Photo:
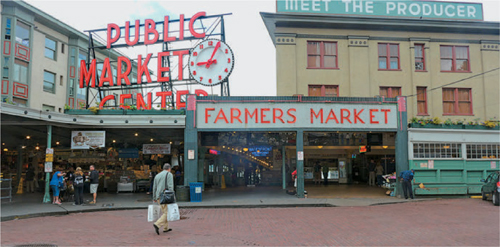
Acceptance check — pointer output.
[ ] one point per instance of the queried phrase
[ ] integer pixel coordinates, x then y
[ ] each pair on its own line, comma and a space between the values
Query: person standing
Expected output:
164, 178
294, 177
30, 180
78, 186
371, 170
55, 183
317, 173
178, 176
94, 183
406, 178
325, 174
379, 171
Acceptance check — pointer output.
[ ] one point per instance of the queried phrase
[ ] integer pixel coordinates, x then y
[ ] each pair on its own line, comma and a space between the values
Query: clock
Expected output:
211, 62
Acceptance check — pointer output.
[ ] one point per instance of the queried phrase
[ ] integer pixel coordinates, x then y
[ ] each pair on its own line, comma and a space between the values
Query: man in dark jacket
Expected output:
94, 182
30, 180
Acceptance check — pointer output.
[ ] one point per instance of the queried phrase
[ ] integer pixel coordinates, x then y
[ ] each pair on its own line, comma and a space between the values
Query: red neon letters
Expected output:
150, 28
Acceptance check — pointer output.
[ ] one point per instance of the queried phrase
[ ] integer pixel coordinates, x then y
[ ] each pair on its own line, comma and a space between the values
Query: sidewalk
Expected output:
30, 205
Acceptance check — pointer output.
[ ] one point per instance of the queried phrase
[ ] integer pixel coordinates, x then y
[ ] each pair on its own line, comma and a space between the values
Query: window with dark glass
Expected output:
421, 101
457, 101
49, 82
388, 56
419, 57
390, 92
322, 55
454, 58
324, 90
50, 48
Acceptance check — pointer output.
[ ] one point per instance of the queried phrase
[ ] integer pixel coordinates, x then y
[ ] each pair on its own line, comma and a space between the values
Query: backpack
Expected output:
78, 180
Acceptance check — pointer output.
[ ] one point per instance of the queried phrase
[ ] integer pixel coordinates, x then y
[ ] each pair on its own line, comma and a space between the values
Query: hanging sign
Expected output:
386, 8
49, 155
132, 153
48, 166
300, 155
156, 148
87, 139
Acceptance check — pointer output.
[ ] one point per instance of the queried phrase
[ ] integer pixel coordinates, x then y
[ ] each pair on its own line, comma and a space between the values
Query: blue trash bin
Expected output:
195, 191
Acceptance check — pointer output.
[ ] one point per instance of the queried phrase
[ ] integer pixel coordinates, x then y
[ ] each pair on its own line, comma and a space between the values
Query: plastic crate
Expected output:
195, 191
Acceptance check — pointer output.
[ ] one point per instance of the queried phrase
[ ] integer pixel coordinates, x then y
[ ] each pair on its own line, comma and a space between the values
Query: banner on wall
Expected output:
156, 148
88, 139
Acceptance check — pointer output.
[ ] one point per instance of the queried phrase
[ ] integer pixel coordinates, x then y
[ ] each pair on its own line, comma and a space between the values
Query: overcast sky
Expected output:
255, 69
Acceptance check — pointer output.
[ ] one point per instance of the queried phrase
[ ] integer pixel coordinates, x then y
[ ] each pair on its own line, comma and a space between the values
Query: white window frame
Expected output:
487, 149
437, 148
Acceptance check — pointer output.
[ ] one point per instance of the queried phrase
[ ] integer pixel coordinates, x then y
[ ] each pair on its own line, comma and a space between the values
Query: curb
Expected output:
312, 205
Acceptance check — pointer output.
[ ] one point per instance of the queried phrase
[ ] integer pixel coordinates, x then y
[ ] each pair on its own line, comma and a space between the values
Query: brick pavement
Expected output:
457, 222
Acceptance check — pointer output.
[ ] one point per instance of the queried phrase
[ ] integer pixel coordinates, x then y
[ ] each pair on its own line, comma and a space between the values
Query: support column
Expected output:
46, 197
401, 143
190, 143
300, 164
283, 166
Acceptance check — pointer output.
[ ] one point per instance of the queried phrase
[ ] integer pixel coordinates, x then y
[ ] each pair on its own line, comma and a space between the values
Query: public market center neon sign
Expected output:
151, 36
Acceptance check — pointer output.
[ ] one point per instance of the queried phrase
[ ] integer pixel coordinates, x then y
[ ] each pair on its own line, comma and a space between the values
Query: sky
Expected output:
255, 59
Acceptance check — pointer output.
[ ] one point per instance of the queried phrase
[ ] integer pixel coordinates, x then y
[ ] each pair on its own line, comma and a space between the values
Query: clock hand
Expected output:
213, 54
201, 63
210, 63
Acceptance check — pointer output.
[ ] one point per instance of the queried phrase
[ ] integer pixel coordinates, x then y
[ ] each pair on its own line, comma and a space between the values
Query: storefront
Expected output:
251, 139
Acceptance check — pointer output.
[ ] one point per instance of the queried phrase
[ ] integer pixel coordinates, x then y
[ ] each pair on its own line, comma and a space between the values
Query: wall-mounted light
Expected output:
28, 137
57, 143
37, 148
136, 134
151, 140
170, 142
114, 141
3, 143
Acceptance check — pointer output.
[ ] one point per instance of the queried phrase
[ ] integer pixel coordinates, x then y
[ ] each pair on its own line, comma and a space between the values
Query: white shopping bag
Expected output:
154, 212
173, 213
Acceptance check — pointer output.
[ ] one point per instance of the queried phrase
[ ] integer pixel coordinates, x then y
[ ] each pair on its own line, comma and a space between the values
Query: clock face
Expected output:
211, 62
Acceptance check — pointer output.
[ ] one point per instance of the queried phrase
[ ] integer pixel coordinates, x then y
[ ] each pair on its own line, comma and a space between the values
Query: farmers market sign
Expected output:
385, 8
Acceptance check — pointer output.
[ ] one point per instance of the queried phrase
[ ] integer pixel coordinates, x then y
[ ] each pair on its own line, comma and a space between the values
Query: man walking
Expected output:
406, 178
158, 188
371, 170
94, 183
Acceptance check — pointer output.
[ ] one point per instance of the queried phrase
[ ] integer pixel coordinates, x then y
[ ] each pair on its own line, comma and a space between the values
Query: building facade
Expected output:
446, 69
41, 60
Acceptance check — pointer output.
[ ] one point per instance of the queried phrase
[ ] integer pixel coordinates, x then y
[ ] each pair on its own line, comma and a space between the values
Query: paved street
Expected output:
462, 222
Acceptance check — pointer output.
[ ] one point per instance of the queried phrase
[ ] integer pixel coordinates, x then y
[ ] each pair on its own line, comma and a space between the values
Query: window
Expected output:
8, 29
457, 101
20, 71
437, 150
421, 100
50, 48
419, 57
62, 48
71, 87
322, 55
20, 101
48, 108
324, 90
390, 92
49, 82
61, 80
81, 92
455, 58
483, 151
22, 33
388, 56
